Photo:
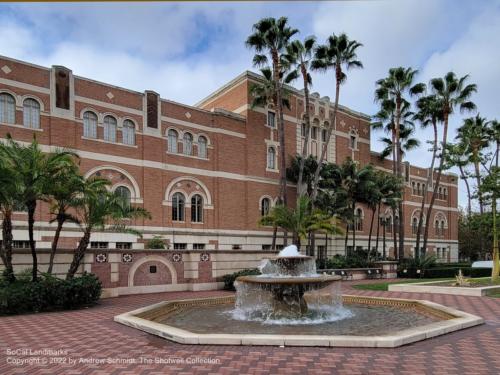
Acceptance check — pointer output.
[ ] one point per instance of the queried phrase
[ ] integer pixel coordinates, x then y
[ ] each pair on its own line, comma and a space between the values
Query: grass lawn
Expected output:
384, 286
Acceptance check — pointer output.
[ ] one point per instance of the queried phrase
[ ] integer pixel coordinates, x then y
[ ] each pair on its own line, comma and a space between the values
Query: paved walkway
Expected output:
90, 335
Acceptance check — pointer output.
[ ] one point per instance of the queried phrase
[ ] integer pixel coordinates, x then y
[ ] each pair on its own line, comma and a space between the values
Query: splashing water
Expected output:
290, 251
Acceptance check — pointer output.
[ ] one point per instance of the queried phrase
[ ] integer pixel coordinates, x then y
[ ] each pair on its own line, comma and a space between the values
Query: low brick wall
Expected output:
149, 271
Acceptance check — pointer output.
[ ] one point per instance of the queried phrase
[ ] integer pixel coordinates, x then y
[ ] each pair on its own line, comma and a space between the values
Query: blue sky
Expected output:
186, 50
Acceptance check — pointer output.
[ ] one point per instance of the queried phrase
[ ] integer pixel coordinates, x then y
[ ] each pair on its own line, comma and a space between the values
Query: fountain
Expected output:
291, 304
278, 294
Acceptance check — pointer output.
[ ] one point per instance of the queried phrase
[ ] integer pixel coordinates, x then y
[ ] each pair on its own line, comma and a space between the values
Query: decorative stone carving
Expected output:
127, 258
204, 257
6, 69
177, 257
101, 258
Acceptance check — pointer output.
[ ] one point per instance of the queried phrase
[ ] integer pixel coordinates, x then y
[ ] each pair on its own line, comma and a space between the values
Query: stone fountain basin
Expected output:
146, 319
321, 280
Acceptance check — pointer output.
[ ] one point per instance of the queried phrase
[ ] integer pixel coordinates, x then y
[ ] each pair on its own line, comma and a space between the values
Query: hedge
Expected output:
229, 279
48, 294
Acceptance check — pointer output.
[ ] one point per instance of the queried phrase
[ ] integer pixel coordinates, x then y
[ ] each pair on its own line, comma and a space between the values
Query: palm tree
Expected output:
97, 209
300, 220
36, 171
407, 142
263, 94
339, 55
299, 56
475, 133
270, 39
456, 157
429, 114
64, 195
451, 92
9, 187
390, 93
390, 189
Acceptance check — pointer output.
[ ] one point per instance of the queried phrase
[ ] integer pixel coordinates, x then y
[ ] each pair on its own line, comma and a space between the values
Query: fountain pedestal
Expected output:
287, 280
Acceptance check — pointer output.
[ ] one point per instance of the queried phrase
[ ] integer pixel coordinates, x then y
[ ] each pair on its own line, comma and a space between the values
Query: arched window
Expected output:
314, 132
188, 144
436, 227
418, 188
7, 108
271, 158
197, 209
265, 206
388, 224
303, 130
124, 193
31, 113
90, 125
178, 202
414, 225
110, 129
359, 219
128, 132
202, 147
172, 141
323, 135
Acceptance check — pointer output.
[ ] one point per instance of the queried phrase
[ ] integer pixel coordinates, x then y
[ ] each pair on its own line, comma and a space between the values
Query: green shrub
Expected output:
48, 294
356, 260
155, 243
229, 279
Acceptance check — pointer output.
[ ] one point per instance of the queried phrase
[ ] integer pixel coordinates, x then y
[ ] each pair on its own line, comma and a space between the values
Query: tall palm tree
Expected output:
391, 93
269, 40
475, 133
36, 171
262, 95
456, 157
301, 220
64, 195
429, 114
391, 190
339, 55
98, 209
452, 93
299, 56
9, 187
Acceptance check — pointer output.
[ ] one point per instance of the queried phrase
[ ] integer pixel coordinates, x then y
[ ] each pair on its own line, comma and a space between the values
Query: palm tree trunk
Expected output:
346, 238
353, 231
370, 235
478, 181
428, 183
394, 233
79, 253
306, 139
329, 132
469, 196
496, 265
55, 241
438, 180
384, 254
378, 229
6, 247
31, 223
399, 174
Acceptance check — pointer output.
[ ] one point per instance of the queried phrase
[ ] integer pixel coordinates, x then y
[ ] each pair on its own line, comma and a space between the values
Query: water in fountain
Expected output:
289, 292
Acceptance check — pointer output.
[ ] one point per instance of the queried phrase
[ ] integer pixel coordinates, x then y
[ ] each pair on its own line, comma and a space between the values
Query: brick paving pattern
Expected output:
91, 333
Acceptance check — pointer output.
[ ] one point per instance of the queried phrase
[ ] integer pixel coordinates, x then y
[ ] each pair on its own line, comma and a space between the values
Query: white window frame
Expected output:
7, 108
173, 139
90, 125
128, 132
31, 113
110, 126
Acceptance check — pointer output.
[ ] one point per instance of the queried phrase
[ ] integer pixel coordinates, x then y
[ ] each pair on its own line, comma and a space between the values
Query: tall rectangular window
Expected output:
271, 119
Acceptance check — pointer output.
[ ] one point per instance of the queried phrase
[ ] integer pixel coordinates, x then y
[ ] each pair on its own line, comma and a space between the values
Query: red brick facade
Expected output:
220, 156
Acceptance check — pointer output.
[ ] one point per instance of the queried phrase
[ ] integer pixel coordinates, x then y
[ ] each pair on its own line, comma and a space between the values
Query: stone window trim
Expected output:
135, 189
203, 191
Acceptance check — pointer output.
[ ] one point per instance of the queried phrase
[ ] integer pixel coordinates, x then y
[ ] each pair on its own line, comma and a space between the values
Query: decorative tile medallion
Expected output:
110, 95
101, 258
204, 257
177, 257
127, 258
6, 69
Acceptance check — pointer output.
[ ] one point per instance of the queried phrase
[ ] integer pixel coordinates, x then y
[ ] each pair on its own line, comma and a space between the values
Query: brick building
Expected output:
206, 172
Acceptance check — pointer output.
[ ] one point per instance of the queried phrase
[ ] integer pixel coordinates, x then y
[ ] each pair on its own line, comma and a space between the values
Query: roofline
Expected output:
252, 75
